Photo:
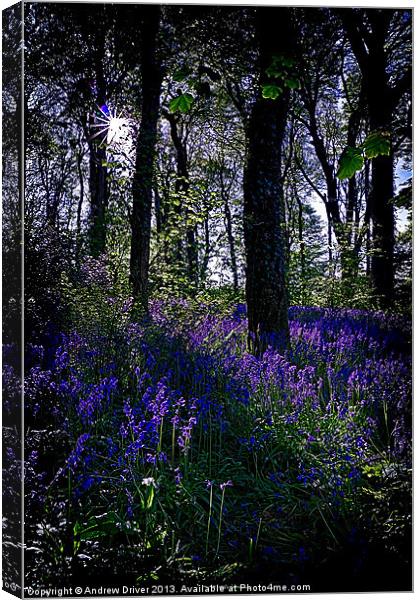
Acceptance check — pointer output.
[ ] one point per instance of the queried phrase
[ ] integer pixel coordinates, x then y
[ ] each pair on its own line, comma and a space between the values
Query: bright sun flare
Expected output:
114, 129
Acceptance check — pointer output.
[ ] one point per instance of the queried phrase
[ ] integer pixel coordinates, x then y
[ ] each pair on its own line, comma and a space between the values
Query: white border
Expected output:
301, 3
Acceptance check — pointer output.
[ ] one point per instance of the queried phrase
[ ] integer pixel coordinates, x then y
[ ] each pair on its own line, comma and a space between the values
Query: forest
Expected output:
217, 272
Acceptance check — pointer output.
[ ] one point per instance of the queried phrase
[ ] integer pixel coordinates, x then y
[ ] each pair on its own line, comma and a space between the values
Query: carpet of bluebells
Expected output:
161, 450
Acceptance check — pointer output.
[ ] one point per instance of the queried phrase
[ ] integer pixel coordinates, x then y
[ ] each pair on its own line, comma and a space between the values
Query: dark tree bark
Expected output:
367, 31
341, 229
97, 159
367, 218
330, 249
79, 204
330, 199
158, 210
151, 73
182, 187
350, 240
264, 214
382, 182
343, 226
382, 217
228, 221
231, 244
302, 249
207, 250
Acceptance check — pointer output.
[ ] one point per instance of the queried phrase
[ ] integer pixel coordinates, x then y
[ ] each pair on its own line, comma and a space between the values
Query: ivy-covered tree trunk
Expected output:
151, 73
264, 212
182, 188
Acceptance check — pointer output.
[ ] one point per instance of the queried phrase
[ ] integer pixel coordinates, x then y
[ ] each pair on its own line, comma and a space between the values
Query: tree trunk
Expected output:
349, 248
79, 205
369, 48
264, 213
207, 250
382, 187
151, 73
158, 210
182, 187
98, 170
228, 221
367, 218
331, 200
382, 216
302, 250
231, 244
330, 249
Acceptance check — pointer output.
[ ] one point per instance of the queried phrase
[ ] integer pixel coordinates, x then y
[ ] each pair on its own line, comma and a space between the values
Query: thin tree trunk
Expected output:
207, 250
182, 187
79, 205
331, 199
98, 169
330, 247
151, 73
158, 210
230, 237
349, 255
367, 219
301, 249
231, 244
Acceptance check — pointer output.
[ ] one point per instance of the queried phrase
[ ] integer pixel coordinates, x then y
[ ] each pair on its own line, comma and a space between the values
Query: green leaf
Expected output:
350, 162
273, 71
293, 84
377, 143
279, 66
77, 528
271, 92
150, 498
182, 103
181, 74
288, 61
